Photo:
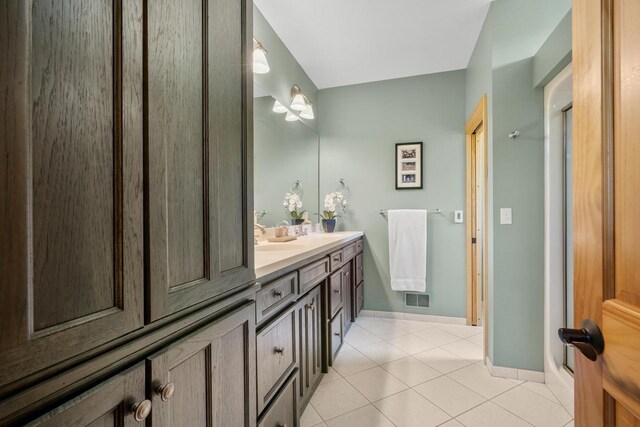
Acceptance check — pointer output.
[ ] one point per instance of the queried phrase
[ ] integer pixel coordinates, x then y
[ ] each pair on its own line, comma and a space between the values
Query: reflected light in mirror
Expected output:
260, 64
307, 113
298, 103
279, 108
290, 117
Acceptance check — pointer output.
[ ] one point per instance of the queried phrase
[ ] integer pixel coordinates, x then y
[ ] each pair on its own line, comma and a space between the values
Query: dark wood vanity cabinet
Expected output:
347, 292
311, 341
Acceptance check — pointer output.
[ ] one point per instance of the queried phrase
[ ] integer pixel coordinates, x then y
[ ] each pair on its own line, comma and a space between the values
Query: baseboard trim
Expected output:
514, 373
412, 316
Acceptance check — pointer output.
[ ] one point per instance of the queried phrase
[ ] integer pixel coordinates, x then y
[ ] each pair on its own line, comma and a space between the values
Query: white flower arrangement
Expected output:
331, 202
292, 203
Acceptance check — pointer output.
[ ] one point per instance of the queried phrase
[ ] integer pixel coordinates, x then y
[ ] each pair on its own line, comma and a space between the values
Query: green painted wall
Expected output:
554, 55
359, 127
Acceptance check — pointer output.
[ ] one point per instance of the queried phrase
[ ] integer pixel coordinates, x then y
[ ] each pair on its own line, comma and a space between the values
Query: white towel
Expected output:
408, 250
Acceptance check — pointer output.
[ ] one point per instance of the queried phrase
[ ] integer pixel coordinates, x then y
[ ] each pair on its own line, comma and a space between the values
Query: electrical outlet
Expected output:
458, 217
506, 217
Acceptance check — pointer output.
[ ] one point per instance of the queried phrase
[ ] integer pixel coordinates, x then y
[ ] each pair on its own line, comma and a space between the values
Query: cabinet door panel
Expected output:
108, 404
197, 152
347, 295
213, 372
311, 340
71, 161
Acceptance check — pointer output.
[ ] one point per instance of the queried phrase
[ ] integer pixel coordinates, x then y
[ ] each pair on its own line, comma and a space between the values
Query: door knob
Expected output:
588, 339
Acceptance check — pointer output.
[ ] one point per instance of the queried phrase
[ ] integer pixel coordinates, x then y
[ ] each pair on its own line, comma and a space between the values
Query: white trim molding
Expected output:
514, 373
412, 316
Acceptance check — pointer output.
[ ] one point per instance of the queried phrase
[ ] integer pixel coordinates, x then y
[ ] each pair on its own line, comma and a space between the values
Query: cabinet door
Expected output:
335, 292
311, 338
359, 274
208, 379
347, 290
71, 182
199, 142
116, 402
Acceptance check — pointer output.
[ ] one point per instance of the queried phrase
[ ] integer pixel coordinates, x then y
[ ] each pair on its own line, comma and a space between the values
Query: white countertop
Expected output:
271, 257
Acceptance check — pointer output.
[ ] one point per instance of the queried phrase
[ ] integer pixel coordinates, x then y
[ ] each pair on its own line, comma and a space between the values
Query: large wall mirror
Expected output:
285, 153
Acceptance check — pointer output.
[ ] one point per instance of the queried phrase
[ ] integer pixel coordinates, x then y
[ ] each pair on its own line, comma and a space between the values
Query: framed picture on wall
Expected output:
409, 166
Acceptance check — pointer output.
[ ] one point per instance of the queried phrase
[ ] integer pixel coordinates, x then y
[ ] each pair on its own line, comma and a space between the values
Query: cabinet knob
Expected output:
282, 424
276, 293
141, 410
311, 306
337, 291
336, 334
279, 350
166, 391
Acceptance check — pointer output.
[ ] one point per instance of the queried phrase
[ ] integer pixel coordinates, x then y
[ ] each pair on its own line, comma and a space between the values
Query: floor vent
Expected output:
416, 300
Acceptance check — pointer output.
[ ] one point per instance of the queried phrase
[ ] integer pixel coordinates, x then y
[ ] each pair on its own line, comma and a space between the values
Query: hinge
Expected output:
473, 240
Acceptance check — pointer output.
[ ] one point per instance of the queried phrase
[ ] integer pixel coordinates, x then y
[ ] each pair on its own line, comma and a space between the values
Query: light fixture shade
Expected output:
298, 103
260, 64
290, 117
307, 113
279, 108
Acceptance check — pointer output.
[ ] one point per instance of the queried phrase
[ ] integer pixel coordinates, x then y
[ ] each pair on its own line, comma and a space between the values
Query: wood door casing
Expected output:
70, 166
606, 105
214, 373
108, 404
198, 151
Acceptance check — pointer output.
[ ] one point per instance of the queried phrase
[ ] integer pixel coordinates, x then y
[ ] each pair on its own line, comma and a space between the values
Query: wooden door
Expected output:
311, 344
119, 401
347, 294
208, 379
198, 151
71, 182
606, 56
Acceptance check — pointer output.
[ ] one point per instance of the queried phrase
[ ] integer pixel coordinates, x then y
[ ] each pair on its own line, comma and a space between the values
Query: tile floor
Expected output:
401, 373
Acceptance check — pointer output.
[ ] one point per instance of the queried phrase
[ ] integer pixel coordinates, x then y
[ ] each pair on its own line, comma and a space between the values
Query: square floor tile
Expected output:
336, 398
462, 331
442, 360
450, 396
387, 330
533, 408
411, 344
382, 352
376, 383
351, 361
452, 423
359, 337
542, 390
412, 325
332, 375
409, 409
410, 371
477, 378
437, 336
465, 349
369, 322
491, 415
570, 424
367, 416
310, 417
476, 339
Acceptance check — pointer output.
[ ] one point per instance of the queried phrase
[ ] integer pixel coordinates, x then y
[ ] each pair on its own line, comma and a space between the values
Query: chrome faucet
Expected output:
262, 230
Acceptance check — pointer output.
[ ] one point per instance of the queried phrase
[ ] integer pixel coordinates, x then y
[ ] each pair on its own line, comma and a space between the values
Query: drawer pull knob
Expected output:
279, 350
337, 334
311, 306
277, 294
141, 410
166, 391
337, 291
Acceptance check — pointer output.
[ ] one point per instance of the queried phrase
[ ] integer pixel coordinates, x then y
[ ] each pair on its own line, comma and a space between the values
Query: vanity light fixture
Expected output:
279, 108
260, 64
307, 113
290, 117
300, 102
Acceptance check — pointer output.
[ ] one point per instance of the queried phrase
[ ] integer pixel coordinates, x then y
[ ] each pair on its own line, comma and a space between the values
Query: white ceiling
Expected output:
344, 42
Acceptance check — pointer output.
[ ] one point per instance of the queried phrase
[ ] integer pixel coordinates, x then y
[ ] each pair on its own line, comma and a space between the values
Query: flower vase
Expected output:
297, 221
329, 225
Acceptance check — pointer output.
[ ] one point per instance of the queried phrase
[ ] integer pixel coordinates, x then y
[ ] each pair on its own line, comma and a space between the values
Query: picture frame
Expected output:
409, 166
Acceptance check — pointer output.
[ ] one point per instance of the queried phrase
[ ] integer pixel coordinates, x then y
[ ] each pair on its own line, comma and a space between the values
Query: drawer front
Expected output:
335, 293
335, 329
284, 409
349, 252
335, 260
359, 298
313, 274
276, 357
276, 295
359, 269
359, 246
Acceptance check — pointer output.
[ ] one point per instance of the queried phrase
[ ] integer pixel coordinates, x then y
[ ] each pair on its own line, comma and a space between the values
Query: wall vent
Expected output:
415, 300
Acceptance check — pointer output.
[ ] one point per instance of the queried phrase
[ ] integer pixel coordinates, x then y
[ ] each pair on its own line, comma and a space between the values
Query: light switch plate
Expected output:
458, 217
506, 216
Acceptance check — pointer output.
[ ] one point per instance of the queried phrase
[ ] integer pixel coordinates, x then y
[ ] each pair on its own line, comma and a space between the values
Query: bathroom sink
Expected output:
280, 247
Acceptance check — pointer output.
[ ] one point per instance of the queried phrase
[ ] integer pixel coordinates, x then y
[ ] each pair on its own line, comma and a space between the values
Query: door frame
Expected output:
478, 118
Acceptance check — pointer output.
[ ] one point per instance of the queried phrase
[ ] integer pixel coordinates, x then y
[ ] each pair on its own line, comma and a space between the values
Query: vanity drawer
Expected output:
335, 260
313, 274
359, 246
276, 357
359, 298
284, 409
335, 293
275, 295
335, 336
359, 269
349, 252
